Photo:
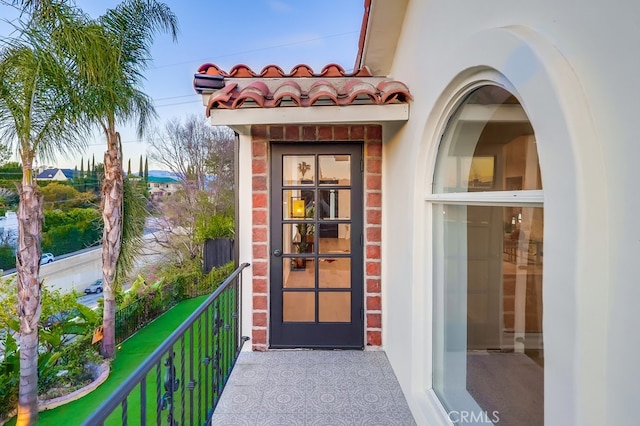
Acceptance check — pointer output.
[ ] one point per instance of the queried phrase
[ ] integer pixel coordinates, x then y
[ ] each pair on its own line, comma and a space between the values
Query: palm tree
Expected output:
130, 29
40, 116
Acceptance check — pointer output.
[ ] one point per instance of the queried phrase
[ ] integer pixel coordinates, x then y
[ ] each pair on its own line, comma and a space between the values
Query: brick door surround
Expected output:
371, 136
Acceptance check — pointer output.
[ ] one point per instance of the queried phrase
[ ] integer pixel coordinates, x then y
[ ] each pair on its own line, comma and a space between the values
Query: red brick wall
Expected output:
372, 137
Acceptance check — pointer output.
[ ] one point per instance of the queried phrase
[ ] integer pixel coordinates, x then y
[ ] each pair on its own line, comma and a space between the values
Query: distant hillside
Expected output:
163, 173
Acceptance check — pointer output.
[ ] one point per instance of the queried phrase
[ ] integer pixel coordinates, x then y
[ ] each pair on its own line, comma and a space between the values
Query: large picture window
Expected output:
488, 261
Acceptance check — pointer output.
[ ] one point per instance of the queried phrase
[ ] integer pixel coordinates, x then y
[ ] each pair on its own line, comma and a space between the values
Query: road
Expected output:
90, 300
77, 270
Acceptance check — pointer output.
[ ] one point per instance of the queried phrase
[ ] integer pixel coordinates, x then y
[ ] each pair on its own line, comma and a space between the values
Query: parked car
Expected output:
61, 317
94, 288
47, 258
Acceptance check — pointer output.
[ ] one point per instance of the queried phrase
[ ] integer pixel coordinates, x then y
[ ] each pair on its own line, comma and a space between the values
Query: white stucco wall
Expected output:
245, 229
573, 66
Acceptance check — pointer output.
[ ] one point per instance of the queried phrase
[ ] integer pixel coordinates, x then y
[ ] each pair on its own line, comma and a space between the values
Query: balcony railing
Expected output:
181, 381
135, 316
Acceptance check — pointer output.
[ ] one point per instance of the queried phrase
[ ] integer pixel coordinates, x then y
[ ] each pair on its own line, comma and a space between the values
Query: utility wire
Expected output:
233, 54
259, 49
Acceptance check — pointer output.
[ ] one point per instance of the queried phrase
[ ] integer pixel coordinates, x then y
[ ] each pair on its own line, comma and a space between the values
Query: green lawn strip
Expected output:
130, 355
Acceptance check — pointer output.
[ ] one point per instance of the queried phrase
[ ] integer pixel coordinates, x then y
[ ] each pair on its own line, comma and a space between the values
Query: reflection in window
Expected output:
298, 169
488, 336
335, 204
335, 169
297, 204
490, 146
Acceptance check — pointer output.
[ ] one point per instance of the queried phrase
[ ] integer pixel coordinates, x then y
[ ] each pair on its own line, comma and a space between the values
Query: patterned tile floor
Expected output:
319, 388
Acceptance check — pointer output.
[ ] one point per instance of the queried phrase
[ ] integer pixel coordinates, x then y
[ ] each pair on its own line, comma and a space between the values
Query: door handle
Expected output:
277, 252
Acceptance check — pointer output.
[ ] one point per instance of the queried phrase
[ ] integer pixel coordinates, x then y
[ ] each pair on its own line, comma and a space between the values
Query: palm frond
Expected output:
39, 107
133, 220
131, 28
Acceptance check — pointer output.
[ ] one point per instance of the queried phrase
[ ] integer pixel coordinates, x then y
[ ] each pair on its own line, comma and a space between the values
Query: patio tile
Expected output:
329, 419
285, 419
233, 419
283, 399
286, 374
363, 373
239, 399
392, 417
269, 358
326, 374
316, 388
248, 375
398, 396
371, 398
327, 399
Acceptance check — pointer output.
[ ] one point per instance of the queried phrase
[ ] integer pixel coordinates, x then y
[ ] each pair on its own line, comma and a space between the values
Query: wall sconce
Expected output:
297, 208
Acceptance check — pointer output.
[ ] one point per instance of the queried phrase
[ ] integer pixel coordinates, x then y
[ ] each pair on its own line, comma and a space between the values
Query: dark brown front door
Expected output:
316, 280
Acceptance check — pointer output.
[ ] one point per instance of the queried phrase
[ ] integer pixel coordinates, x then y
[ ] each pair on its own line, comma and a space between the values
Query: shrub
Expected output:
59, 195
8, 393
72, 230
212, 227
7, 257
65, 331
144, 302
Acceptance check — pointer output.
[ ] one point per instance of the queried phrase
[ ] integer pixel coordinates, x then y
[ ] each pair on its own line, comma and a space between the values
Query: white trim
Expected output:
502, 113
245, 243
503, 198
327, 114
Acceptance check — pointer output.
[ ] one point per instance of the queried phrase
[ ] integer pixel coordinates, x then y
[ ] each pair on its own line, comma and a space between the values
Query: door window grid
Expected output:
326, 240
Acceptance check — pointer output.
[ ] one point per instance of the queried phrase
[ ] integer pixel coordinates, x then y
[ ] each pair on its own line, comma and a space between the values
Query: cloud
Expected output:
279, 6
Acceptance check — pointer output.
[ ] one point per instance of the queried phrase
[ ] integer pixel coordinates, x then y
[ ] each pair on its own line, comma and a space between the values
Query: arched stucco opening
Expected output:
537, 74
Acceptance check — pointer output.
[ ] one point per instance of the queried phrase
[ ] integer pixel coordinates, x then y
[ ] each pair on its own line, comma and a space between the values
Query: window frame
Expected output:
519, 198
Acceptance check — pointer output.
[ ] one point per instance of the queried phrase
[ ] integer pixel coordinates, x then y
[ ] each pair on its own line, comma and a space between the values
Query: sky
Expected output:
251, 32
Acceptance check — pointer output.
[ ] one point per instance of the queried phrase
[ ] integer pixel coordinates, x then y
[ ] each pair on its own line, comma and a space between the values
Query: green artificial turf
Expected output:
130, 355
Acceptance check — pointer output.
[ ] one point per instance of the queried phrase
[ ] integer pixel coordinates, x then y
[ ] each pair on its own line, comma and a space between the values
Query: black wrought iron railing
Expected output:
147, 307
181, 381
135, 316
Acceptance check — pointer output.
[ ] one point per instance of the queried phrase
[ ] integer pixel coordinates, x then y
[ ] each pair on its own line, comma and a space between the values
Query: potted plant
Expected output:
303, 240
303, 168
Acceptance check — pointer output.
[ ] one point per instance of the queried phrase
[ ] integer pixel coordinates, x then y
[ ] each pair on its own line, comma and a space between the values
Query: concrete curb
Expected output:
49, 404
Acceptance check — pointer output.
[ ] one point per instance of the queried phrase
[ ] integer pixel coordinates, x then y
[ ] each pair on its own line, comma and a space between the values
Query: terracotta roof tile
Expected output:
289, 89
271, 71
322, 89
355, 88
332, 70
257, 91
241, 87
391, 91
274, 71
302, 70
210, 69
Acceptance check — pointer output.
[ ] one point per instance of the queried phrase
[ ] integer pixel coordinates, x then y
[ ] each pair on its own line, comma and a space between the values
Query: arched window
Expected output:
488, 259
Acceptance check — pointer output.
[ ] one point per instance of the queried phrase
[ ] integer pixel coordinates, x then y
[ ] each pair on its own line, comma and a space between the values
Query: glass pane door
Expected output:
316, 262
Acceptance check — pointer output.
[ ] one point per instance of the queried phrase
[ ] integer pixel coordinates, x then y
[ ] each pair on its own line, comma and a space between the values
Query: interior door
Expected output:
316, 271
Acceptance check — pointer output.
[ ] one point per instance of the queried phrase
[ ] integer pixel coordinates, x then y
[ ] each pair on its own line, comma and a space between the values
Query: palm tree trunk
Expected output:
30, 218
112, 195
